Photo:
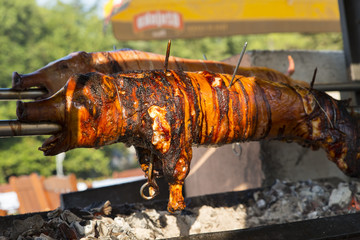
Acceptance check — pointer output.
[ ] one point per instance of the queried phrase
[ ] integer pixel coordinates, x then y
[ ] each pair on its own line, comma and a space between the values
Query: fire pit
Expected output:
301, 210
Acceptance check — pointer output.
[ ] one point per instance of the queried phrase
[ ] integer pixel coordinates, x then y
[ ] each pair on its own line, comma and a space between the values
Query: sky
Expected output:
89, 3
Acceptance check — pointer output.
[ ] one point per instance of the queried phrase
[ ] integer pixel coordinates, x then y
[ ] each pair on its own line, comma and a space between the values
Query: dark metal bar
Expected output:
334, 228
12, 94
11, 128
349, 86
350, 28
349, 19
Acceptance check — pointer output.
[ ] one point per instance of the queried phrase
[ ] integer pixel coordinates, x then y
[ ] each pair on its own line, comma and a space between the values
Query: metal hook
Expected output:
234, 149
167, 55
151, 183
238, 63
152, 191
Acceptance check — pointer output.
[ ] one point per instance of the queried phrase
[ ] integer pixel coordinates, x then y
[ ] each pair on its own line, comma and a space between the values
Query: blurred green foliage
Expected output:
32, 36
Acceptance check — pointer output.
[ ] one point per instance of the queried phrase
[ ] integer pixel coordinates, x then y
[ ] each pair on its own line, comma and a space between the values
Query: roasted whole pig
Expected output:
163, 114
53, 76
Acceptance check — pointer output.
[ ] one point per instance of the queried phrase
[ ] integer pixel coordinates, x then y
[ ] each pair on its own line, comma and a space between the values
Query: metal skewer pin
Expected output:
238, 63
313, 79
167, 56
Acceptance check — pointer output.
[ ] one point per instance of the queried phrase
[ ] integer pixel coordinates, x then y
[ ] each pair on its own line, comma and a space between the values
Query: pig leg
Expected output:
176, 181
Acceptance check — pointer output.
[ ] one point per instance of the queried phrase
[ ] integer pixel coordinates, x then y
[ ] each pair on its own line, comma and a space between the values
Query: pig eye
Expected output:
63, 66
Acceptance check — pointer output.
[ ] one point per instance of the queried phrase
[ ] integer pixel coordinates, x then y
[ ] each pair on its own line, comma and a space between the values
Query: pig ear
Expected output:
80, 53
86, 56
83, 53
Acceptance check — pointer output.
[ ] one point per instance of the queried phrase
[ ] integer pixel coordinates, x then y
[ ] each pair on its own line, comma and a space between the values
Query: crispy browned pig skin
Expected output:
165, 114
53, 76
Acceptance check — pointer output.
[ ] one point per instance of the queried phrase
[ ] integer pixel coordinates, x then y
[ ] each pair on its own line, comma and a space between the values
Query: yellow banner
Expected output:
156, 19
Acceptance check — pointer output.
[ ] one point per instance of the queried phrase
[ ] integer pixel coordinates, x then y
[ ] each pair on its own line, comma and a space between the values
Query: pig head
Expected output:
54, 75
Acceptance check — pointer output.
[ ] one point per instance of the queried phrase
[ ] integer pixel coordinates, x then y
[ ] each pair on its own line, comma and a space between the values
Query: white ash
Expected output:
340, 196
152, 224
288, 202
283, 202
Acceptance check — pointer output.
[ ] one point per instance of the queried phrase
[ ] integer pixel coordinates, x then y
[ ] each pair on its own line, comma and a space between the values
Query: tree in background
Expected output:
32, 36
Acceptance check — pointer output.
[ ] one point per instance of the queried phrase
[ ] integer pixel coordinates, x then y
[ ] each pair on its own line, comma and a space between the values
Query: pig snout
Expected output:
45, 110
25, 81
16, 81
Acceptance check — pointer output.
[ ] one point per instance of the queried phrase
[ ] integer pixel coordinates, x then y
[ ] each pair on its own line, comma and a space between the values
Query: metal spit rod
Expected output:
11, 128
12, 94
